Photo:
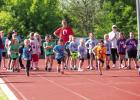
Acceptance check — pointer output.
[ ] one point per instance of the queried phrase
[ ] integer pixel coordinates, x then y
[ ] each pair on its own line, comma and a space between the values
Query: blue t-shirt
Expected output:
81, 51
108, 46
90, 44
131, 44
121, 45
59, 51
26, 53
73, 46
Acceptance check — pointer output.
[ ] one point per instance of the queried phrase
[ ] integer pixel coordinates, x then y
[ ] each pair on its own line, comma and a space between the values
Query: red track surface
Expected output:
88, 85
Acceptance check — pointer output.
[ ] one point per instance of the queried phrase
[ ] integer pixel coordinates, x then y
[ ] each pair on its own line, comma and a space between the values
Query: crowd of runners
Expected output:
67, 50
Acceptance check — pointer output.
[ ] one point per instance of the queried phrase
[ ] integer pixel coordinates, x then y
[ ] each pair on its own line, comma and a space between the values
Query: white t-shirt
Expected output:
35, 45
7, 44
113, 39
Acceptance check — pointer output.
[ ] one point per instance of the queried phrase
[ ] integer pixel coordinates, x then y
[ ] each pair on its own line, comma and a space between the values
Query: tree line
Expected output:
44, 16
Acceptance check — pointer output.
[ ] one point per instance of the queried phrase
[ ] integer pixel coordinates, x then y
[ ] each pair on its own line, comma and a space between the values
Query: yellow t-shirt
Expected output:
100, 52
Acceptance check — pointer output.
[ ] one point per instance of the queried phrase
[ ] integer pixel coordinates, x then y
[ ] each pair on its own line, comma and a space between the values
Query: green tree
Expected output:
82, 13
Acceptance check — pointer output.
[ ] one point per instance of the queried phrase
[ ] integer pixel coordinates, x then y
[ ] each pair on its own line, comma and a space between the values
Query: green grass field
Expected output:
3, 95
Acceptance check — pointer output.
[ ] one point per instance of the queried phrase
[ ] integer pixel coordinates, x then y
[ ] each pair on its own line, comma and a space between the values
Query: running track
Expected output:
88, 85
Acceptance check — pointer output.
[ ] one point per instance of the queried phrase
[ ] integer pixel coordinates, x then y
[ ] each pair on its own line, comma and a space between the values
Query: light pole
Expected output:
138, 23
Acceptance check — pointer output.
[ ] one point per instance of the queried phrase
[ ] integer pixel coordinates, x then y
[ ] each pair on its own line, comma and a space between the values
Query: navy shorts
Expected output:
59, 61
132, 53
81, 58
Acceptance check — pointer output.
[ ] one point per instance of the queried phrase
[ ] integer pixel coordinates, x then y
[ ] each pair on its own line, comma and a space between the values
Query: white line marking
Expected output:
67, 89
123, 90
22, 96
7, 91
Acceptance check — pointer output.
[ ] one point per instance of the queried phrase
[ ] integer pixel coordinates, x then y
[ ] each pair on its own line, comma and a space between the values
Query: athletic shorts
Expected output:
3, 54
81, 58
122, 53
107, 54
59, 61
92, 55
68, 52
14, 58
35, 58
102, 61
49, 56
88, 55
74, 55
132, 53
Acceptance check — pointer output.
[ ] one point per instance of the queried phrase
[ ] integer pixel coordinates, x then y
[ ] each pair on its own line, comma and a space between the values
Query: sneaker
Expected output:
66, 67
72, 68
35, 68
113, 66
139, 71
88, 67
107, 67
46, 68
128, 67
4, 68
17, 69
31, 68
75, 68
92, 68
122, 66
49, 69
22, 66
62, 72
80, 70
9, 70
13, 69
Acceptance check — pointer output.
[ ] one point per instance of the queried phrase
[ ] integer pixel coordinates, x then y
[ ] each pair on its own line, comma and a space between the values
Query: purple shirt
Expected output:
73, 46
131, 44
81, 51
121, 45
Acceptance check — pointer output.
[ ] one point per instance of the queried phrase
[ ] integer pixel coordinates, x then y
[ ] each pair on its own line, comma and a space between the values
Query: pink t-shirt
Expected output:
35, 46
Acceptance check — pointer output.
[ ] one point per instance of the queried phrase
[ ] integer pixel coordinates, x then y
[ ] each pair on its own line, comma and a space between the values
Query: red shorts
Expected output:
35, 57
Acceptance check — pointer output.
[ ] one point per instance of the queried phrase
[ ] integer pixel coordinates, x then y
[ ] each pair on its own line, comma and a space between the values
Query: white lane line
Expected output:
123, 90
22, 96
7, 91
66, 89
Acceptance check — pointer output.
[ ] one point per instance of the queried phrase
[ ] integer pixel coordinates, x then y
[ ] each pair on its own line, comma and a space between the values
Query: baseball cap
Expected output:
114, 26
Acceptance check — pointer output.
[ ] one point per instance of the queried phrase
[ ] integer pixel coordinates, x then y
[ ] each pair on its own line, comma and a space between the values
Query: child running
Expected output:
14, 46
35, 57
68, 51
59, 55
27, 55
48, 49
74, 54
100, 51
81, 54
121, 49
90, 44
107, 44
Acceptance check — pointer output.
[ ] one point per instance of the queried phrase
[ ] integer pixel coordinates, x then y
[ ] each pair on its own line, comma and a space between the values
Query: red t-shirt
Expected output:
64, 33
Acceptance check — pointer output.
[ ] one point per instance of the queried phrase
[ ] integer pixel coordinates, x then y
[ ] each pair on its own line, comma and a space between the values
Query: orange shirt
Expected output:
100, 52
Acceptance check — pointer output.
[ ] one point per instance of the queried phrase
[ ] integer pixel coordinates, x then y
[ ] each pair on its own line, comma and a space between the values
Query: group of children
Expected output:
66, 54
